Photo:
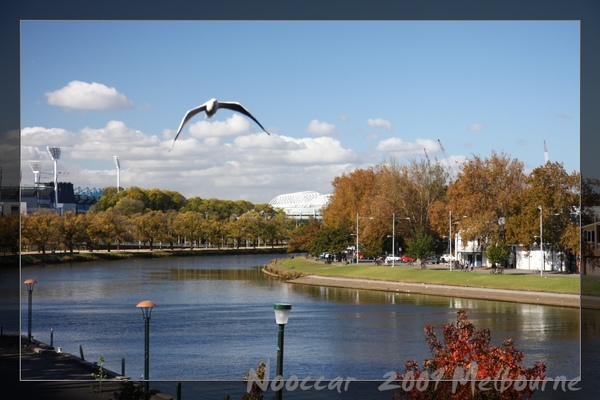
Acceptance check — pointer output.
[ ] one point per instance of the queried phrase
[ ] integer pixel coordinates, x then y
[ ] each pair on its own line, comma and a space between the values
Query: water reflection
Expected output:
214, 320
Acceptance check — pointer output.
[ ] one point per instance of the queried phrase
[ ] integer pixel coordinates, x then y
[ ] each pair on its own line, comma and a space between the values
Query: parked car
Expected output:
447, 258
432, 260
392, 257
406, 258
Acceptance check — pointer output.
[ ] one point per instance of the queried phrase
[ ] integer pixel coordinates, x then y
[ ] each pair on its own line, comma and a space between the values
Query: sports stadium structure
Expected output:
301, 205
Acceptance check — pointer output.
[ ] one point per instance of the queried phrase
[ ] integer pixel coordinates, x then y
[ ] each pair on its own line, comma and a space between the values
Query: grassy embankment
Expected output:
553, 283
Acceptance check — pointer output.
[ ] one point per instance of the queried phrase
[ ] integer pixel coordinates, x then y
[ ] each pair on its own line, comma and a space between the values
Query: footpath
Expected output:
36, 372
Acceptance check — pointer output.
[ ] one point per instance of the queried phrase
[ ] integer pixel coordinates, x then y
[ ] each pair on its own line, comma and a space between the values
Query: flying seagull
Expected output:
211, 107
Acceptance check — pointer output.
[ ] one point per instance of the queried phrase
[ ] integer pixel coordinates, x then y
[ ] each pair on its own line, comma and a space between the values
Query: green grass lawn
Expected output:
547, 283
590, 286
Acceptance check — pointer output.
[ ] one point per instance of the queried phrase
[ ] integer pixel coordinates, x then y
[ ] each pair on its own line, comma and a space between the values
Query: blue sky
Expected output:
335, 96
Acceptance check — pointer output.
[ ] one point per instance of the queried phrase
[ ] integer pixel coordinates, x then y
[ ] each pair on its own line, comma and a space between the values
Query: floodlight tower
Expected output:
55, 155
36, 167
118, 165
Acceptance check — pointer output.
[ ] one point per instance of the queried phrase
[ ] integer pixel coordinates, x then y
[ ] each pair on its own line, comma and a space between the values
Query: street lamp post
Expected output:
29, 283
357, 252
542, 261
393, 240
357, 256
450, 242
394, 237
146, 306
452, 257
282, 314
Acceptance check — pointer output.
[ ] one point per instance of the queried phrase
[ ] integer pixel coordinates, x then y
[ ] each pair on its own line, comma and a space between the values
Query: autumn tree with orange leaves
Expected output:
376, 195
555, 193
486, 190
465, 365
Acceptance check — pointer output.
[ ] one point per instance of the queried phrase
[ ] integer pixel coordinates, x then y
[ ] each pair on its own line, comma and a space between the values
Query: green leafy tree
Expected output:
41, 229
216, 232
250, 225
276, 228
150, 226
191, 225
109, 227
128, 206
302, 236
164, 200
421, 245
332, 240
497, 253
9, 233
72, 229
169, 234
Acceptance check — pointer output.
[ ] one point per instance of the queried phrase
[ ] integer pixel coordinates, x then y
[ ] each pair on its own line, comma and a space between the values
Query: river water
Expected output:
214, 321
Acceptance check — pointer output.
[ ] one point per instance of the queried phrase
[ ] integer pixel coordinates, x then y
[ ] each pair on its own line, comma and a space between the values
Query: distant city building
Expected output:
30, 198
301, 205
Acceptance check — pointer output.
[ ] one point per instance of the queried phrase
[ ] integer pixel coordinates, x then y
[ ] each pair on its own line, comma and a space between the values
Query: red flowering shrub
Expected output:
466, 366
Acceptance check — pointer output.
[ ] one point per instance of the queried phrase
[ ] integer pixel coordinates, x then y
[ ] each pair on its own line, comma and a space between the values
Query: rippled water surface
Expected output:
214, 320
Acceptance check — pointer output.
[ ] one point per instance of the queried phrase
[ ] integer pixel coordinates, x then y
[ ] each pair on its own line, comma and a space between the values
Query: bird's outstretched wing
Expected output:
241, 109
189, 115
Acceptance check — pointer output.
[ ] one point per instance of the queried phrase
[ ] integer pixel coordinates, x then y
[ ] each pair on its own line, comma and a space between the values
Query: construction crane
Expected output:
451, 171
444, 153
427, 156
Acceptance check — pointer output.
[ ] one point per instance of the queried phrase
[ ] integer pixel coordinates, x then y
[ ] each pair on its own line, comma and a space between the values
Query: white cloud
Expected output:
255, 167
235, 125
380, 123
320, 128
397, 147
79, 95
48, 136
476, 127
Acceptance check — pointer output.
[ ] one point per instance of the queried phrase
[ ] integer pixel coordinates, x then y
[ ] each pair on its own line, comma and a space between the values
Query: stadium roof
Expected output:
300, 204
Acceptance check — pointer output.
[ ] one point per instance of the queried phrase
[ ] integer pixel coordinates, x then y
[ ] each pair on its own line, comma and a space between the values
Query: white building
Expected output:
473, 253
301, 205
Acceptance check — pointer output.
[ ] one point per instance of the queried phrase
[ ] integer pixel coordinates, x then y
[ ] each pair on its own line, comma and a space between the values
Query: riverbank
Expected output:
26, 259
39, 372
540, 298
521, 286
